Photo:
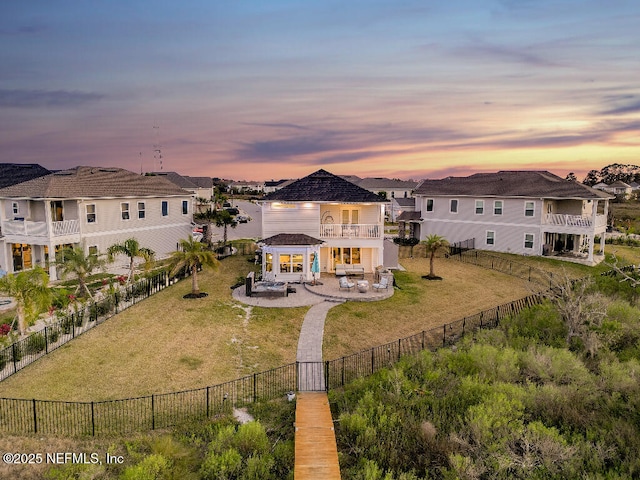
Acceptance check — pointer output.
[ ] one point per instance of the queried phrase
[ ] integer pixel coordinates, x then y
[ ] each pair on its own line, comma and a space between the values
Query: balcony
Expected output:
574, 221
39, 229
360, 230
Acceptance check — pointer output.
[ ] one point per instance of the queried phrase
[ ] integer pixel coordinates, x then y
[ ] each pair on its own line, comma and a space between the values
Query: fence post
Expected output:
326, 375
423, 333
93, 421
153, 413
46, 340
255, 388
297, 375
373, 359
529, 273
399, 347
35, 417
464, 321
13, 355
343, 371
444, 336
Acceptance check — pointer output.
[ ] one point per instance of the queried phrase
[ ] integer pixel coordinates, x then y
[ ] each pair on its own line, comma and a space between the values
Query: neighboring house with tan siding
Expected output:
91, 206
320, 214
521, 212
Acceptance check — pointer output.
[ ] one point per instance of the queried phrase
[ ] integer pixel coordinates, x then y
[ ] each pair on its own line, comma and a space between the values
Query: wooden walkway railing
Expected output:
316, 450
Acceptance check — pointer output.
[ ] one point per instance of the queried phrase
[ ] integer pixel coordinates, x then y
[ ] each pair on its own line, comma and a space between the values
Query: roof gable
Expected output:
532, 184
94, 182
322, 186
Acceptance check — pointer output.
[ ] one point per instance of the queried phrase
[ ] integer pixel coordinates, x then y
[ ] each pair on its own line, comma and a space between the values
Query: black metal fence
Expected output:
483, 259
86, 316
21, 416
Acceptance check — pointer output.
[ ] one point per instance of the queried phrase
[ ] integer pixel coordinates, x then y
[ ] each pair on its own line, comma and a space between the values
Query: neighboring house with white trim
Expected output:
521, 212
390, 188
320, 214
91, 206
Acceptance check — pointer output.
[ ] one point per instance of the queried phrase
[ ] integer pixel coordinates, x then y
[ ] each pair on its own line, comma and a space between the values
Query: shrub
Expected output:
3, 360
151, 467
35, 344
53, 333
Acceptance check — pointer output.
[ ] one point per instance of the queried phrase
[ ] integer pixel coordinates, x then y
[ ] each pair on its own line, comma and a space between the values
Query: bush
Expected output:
53, 333
3, 360
35, 344
406, 242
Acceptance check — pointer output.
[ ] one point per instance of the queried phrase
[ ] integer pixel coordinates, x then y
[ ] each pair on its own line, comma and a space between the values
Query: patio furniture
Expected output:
383, 285
363, 286
345, 283
345, 269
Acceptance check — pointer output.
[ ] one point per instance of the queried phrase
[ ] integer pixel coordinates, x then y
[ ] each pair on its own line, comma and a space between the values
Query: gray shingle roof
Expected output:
532, 184
291, 239
176, 178
322, 186
200, 182
386, 183
93, 182
408, 216
14, 173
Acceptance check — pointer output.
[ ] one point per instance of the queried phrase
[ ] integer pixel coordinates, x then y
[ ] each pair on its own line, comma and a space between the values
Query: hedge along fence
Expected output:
21, 416
27, 350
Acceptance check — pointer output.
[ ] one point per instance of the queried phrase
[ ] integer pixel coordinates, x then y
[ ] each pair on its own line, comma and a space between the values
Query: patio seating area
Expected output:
328, 285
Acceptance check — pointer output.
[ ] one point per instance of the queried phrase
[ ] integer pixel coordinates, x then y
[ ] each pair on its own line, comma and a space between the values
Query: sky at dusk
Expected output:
261, 90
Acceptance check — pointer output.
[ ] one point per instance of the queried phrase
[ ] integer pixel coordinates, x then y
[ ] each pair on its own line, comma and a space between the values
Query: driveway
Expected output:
251, 229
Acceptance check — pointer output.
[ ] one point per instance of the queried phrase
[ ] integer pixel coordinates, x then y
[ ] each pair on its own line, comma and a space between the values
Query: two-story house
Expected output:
521, 212
90, 206
325, 215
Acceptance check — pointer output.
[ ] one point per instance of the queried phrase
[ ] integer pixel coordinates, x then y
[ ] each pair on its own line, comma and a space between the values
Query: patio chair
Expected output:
383, 285
345, 283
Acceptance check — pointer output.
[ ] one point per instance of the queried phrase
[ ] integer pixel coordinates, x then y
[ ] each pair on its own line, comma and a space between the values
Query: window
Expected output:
91, 213
347, 255
497, 207
453, 206
15, 207
528, 240
124, 210
165, 208
429, 204
141, 210
479, 207
350, 217
529, 209
290, 263
93, 250
185, 207
268, 264
491, 237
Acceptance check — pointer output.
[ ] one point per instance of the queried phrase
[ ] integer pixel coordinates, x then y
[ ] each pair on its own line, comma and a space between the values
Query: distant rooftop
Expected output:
14, 173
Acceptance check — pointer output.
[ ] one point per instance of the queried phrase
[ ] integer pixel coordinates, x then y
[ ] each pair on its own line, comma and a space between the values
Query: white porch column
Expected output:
591, 240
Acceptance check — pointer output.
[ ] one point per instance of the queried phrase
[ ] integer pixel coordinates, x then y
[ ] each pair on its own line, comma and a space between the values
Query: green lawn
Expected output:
167, 343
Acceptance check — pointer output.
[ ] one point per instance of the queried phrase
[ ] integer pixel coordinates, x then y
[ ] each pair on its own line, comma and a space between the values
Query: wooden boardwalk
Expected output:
316, 450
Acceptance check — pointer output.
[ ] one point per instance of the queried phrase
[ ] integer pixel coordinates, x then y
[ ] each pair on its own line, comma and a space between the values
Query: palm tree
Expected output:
132, 249
433, 244
192, 254
32, 294
221, 218
73, 260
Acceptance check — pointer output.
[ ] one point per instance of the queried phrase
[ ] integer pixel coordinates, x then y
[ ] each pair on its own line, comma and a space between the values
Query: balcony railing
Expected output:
584, 221
39, 229
359, 230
